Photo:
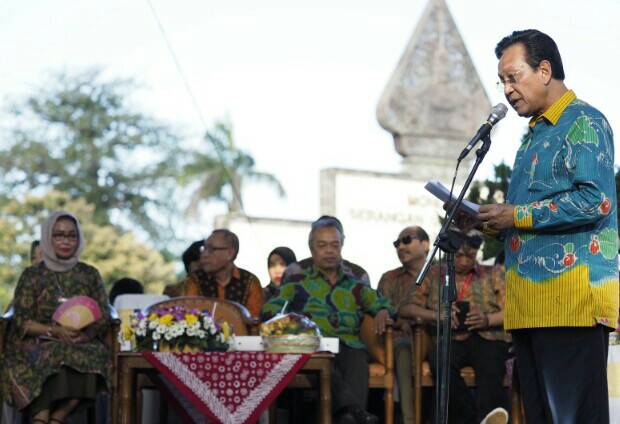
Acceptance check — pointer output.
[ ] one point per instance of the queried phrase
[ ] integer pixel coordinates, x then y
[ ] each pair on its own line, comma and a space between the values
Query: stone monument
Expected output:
434, 101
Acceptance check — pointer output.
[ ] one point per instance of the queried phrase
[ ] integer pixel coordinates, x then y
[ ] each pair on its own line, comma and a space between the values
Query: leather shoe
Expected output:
363, 417
346, 418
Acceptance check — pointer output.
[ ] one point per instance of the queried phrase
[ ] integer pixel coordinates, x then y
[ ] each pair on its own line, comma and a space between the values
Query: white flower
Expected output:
156, 336
161, 329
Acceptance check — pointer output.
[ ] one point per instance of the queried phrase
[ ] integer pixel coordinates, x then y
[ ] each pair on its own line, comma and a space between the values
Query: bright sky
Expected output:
299, 80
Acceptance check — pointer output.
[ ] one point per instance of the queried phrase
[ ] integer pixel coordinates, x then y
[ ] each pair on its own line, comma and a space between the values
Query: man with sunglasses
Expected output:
561, 232
218, 276
478, 339
398, 285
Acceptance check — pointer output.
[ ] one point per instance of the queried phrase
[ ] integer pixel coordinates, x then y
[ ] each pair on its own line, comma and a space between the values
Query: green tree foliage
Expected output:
116, 255
221, 170
491, 191
79, 135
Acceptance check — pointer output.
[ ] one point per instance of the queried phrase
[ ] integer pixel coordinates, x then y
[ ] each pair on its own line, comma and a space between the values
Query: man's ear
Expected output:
425, 246
545, 71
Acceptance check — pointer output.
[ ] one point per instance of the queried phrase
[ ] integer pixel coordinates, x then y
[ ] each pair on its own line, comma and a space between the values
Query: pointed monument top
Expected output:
434, 101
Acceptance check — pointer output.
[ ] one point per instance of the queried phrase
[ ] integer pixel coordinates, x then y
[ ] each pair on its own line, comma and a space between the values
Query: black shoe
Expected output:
363, 417
346, 418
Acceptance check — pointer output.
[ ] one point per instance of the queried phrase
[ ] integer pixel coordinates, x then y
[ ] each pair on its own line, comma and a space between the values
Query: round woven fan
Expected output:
77, 312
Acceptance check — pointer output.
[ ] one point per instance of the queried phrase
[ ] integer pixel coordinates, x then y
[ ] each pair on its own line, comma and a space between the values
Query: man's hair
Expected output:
472, 240
538, 47
230, 238
421, 234
33, 246
326, 221
125, 286
192, 254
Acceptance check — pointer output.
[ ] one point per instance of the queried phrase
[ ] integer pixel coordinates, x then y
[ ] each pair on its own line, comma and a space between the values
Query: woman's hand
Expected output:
82, 337
66, 334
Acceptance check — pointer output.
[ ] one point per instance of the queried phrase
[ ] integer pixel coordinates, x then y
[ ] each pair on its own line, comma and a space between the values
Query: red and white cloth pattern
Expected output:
228, 387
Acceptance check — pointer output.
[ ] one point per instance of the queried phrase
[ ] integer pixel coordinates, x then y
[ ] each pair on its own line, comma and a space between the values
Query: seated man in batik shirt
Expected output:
219, 277
336, 302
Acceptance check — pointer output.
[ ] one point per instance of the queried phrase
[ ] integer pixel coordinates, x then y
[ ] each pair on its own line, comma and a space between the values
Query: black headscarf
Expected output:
285, 253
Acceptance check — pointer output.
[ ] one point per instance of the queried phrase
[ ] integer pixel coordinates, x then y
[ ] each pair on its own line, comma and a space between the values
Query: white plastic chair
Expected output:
125, 305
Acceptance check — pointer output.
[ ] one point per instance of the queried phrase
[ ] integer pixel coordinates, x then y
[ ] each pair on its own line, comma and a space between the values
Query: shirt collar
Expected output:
235, 274
552, 115
403, 271
315, 272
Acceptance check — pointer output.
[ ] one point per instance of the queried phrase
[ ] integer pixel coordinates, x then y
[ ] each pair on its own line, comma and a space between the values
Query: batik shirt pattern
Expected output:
336, 309
562, 255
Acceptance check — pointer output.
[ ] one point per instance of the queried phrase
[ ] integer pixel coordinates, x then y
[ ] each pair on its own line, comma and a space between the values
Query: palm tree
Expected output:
223, 166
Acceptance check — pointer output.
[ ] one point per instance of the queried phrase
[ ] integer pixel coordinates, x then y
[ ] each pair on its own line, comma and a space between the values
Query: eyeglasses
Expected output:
211, 249
511, 79
404, 240
65, 236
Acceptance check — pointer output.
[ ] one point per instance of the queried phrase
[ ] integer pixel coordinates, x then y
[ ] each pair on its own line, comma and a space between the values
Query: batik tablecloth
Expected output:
226, 387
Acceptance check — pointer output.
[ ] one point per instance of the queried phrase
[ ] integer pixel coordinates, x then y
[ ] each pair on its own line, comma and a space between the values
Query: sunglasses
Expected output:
404, 240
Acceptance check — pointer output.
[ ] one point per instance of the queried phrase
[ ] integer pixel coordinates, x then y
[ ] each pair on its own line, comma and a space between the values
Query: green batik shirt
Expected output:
336, 309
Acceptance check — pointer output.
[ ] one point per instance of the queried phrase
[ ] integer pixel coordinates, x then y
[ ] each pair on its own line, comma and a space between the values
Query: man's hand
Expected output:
497, 216
453, 318
476, 321
464, 221
381, 319
402, 328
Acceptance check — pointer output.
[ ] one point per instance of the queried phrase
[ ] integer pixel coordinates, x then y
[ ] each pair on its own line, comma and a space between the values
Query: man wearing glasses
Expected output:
336, 301
561, 232
219, 277
478, 339
398, 285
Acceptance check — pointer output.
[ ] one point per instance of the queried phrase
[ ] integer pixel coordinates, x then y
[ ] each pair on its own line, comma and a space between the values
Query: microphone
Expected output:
497, 114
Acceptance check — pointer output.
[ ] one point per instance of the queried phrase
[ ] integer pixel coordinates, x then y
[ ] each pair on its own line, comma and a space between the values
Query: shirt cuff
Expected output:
522, 216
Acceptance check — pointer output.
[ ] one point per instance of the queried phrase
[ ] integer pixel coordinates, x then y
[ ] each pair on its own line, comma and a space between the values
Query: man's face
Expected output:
216, 254
465, 259
410, 249
526, 91
325, 248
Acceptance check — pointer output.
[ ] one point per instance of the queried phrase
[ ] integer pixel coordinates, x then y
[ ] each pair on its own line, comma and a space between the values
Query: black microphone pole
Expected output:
450, 246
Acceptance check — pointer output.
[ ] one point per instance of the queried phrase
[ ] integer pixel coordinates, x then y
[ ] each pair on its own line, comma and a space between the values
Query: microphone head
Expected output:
497, 113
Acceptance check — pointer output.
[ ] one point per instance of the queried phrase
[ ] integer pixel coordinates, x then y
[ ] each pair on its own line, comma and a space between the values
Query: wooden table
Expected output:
130, 364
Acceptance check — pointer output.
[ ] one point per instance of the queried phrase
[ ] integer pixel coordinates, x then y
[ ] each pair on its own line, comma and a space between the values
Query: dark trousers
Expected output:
350, 378
563, 374
488, 359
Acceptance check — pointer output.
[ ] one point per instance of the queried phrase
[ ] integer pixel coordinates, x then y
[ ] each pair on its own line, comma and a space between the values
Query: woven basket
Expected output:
291, 343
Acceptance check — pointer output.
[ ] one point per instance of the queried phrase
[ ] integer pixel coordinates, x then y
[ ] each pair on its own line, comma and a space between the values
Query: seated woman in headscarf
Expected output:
277, 261
49, 369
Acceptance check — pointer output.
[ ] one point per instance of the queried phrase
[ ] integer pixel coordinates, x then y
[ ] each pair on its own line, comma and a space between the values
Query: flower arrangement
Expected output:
176, 326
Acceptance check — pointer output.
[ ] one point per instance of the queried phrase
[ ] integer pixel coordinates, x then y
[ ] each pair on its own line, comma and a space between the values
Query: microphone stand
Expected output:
449, 245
